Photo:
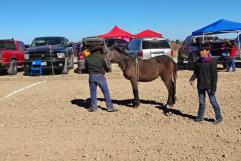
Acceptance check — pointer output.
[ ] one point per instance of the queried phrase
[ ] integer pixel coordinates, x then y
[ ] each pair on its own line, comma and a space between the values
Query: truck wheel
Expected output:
79, 70
110, 70
26, 71
65, 70
12, 70
191, 61
71, 65
180, 60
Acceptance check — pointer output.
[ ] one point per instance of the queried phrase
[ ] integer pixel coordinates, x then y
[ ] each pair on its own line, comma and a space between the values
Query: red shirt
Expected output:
233, 51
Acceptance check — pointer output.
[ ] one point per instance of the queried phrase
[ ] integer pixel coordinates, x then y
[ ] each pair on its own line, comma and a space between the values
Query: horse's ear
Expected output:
97, 49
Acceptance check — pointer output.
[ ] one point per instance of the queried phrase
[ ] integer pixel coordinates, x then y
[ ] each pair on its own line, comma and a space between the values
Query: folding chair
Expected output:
36, 68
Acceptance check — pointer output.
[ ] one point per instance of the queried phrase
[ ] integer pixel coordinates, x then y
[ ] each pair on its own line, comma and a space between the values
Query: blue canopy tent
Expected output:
220, 27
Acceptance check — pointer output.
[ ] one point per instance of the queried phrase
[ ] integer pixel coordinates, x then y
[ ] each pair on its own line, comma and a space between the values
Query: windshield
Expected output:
206, 39
155, 44
47, 41
117, 42
7, 46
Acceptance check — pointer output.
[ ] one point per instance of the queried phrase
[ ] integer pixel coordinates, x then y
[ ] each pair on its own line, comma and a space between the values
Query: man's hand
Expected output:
191, 80
212, 92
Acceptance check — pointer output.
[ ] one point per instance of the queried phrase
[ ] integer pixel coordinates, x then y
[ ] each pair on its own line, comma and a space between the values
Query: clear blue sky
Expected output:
74, 19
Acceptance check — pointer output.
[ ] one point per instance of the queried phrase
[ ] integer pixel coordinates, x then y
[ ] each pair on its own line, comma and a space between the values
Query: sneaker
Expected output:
217, 121
198, 119
112, 110
92, 109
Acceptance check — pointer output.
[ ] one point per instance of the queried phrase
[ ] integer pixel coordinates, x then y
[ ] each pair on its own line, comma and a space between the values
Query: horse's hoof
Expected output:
136, 105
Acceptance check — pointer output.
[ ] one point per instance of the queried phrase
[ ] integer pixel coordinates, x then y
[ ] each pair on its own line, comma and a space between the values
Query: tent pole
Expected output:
203, 38
239, 45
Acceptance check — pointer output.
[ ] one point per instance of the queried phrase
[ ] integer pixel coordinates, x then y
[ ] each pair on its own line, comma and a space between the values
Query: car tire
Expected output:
192, 57
13, 69
110, 69
26, 71
180, 60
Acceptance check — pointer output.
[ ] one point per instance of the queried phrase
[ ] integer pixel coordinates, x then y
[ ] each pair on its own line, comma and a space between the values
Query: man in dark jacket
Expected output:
96, 67
205, 71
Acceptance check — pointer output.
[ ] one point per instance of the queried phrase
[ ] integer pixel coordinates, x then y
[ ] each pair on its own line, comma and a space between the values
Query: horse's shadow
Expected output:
128, 103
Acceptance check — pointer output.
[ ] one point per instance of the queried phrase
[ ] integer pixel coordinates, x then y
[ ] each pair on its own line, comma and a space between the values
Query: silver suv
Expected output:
149, 47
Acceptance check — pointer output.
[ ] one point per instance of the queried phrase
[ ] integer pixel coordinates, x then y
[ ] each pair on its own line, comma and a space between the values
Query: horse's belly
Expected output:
147, 78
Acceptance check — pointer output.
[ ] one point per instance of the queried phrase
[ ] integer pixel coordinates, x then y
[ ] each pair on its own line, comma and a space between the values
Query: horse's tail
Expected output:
174, 76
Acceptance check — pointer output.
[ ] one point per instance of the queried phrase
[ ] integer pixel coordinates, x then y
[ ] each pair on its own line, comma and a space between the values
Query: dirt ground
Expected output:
50, 122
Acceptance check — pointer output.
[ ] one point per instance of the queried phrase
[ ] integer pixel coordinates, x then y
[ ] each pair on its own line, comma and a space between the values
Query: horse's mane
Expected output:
121, 51
96, 49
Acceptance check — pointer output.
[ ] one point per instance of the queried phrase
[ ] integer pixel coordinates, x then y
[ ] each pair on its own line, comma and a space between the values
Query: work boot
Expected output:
217, 121
92, 109
112, 109
198, 119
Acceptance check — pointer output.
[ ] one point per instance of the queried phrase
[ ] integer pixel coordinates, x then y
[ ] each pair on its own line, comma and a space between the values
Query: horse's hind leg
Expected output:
135, 93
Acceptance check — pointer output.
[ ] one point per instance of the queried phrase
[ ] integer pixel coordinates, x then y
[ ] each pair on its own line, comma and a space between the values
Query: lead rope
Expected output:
137, 69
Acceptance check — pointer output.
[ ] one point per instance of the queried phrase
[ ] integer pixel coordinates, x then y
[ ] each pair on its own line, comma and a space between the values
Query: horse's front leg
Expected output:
136, 93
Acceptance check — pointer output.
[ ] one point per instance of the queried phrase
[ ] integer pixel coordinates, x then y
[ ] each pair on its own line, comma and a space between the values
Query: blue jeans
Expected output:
99, 79
225, 61
213, 101
232, 64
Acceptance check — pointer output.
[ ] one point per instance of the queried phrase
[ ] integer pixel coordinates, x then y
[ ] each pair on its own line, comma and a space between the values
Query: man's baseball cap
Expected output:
205, 46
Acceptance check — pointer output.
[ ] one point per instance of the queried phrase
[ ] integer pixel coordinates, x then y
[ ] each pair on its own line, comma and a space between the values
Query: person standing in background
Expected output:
232, 56
205, 70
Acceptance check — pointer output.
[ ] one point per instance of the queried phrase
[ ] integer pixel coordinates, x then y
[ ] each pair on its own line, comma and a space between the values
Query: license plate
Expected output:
44, 63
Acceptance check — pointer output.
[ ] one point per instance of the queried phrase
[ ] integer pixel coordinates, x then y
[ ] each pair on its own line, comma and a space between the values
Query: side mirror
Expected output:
69, 45
26, 46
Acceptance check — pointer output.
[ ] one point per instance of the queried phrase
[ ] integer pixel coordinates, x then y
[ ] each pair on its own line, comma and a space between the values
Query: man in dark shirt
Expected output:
205, 71
96, 67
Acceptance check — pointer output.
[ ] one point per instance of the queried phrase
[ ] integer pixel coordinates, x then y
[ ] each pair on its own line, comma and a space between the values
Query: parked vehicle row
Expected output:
57, 53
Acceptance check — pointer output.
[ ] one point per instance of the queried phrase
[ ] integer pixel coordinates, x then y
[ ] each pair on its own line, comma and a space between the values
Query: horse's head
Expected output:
114, 54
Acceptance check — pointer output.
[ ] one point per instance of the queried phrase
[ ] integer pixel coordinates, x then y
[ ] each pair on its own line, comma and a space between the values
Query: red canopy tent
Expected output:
147, 33
116, 32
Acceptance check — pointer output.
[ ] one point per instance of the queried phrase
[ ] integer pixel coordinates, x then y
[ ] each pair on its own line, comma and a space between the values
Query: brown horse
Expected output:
137, 69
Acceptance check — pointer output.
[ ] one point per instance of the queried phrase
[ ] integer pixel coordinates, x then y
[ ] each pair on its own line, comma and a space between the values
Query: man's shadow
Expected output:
82, 103
85, 103
129, 103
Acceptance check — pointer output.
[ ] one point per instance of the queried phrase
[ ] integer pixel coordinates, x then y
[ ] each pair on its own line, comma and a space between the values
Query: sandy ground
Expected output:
50, 121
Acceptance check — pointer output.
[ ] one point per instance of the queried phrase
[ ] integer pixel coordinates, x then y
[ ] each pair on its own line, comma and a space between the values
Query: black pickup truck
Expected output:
55, 53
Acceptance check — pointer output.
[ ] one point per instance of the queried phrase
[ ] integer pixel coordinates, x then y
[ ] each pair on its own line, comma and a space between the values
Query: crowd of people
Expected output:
229, 54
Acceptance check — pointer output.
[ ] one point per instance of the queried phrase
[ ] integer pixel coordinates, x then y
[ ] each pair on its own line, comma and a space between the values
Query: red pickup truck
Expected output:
11, 55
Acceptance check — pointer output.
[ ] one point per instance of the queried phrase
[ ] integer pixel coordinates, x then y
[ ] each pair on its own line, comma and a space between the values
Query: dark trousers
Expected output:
99, 79
213, 101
